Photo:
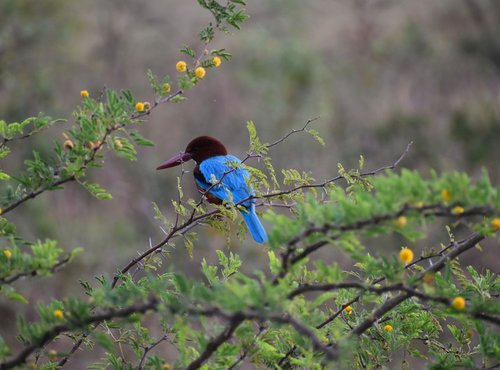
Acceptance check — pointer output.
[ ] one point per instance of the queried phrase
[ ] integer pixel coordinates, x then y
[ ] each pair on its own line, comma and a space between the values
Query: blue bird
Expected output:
213, 164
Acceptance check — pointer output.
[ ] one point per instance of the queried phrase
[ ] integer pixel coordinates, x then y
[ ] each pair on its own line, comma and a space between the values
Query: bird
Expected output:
221, 178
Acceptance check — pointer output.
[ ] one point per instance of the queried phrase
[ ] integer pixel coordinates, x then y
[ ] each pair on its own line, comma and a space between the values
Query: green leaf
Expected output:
103, 340
140, 140
14, 296
188, 51
97, 190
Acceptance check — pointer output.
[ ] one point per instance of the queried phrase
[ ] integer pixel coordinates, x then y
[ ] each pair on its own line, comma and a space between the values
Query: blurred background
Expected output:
379, 73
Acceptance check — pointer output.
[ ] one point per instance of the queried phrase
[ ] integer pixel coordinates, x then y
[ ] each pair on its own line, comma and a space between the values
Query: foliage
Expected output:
301, 310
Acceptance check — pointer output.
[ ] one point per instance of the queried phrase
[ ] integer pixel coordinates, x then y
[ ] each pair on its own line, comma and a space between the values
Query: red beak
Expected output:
175, 161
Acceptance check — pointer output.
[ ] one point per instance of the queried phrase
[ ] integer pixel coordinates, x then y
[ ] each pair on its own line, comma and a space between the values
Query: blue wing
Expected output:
233, 185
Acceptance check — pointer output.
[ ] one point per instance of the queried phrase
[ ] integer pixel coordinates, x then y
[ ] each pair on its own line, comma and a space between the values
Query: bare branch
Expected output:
294, 131
148, 349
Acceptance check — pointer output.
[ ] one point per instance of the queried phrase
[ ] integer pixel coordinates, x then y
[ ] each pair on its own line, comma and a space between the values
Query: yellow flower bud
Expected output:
200, 72
165, 366
458, 303
406, 255
348, 310
52, 355
84, 94
165, 88
68, 144
58, 314
445, 195
181, 66
139, 106
7, 253
118, 144
217, 61
495, 224
388, 328
457, 210
419, 204
401, 221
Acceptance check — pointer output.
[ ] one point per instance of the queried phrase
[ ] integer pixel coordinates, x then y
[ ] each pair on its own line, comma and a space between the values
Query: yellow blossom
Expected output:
181, 66
139, 106
84, 94
458, 210
58, 314
401, 221
165, 88
446, 195
217, 61
165, 366
200, 72
495, 224
388, 327
419, 204
406, 255
458, 303
7, 253
348, 310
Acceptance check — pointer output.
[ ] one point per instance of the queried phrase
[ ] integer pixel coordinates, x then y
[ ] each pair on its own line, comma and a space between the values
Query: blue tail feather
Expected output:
256, 229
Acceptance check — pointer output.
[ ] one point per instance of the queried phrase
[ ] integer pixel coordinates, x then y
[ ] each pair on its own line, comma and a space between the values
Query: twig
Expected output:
294, 131
54, 268
262, 329
148, 349
215, 343
21, 357
28, 134
399, 287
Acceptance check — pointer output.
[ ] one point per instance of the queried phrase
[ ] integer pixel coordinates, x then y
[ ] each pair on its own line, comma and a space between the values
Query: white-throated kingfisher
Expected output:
224, 178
